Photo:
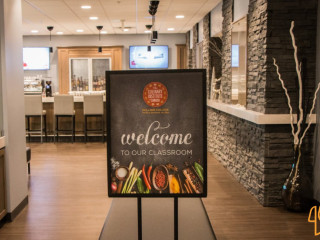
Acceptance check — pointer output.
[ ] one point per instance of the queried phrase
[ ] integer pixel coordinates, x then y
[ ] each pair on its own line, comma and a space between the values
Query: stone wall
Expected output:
260, 156
226, 51
257, 57
195, 41
279, 46
239, 146
206, 63
189, 51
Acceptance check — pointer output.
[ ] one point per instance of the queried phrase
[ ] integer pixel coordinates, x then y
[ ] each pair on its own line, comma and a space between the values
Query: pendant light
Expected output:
50, 28
99, 29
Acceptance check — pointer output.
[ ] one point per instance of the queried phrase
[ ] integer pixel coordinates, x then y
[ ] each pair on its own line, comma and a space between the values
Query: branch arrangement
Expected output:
297, 137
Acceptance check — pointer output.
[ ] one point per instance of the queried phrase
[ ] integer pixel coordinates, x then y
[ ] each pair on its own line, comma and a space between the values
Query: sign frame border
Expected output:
204, 112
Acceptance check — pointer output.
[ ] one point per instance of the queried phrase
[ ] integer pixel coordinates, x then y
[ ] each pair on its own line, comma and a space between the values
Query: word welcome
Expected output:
153, 137
315, 220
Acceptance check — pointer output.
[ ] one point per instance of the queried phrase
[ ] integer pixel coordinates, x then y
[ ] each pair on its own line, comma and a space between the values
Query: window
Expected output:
88, 74
239, 62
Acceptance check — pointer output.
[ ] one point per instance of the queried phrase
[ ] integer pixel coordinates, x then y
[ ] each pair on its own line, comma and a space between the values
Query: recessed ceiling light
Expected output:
179, 16
85, 7
126, 30
34, 31
103, 32
147, 31
59, 33
170, 29
93, 18
80, 30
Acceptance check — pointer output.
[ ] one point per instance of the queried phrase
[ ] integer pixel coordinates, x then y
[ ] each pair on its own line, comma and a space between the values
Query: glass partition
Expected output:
88, 74
239, 62
79, 74
99, 68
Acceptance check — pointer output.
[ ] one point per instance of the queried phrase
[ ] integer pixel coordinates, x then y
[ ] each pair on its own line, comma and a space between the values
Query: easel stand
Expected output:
157, 219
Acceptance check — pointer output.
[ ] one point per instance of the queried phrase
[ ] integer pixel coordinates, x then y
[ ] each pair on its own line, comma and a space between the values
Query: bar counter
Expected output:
65, 123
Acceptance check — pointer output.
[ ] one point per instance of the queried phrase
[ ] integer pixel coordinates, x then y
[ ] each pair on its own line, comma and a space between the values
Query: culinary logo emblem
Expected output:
155, 94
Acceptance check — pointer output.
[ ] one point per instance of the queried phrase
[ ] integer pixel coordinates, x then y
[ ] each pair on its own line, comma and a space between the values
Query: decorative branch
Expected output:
298, 70
309, 117
295, 137
215, 48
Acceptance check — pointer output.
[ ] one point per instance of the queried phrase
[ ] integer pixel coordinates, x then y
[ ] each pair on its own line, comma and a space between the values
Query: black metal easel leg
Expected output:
176, 225
139, 219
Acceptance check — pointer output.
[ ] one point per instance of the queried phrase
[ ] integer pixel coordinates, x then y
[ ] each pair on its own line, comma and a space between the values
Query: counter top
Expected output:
2, 142
75, 99
252, 116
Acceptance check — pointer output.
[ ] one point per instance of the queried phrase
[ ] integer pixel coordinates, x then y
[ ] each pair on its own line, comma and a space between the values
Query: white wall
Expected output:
13, 102
106, 40
316, 174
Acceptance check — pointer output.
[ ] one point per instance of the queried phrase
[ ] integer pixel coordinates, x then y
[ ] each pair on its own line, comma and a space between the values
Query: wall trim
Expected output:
12, 215
252, 116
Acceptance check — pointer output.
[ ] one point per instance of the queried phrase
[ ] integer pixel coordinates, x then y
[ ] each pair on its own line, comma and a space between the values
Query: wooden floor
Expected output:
68, 200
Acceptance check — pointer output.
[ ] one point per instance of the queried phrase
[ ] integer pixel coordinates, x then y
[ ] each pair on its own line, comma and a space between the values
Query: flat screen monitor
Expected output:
148, 57
36, 58
235, 55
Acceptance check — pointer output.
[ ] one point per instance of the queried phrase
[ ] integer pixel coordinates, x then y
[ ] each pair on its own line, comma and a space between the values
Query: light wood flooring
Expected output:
68, 200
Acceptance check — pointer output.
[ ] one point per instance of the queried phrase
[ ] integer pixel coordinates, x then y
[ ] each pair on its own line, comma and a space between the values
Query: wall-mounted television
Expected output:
36, 58
235, 55
148, 57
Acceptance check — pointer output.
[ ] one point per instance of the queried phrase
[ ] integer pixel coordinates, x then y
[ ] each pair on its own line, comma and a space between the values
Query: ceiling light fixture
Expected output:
103, 32
80, 30
99, 29
34, 31
147, 31
50, 28
59, 33
170, 29
125, 29
85, 7
180, 16
93, 18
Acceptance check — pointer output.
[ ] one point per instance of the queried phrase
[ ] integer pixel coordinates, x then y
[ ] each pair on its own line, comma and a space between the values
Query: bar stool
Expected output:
93, 107
34, 108
64, 108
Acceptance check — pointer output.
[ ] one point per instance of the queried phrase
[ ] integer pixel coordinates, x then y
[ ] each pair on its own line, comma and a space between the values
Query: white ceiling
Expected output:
67, 16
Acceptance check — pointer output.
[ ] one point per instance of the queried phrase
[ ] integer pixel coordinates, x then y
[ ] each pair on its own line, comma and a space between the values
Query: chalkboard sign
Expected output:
157, 143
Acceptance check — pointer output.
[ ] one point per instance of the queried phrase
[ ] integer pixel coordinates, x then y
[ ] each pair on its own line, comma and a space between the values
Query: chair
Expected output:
34, 108
93, 107
64, 108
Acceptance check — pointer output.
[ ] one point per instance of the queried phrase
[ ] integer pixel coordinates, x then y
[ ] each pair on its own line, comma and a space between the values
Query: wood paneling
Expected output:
65, 53
181, 56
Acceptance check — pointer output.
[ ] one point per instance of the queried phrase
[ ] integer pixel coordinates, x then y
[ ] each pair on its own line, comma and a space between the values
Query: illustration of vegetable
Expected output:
137, 174
149, 173
140, 185
114, 185
174, 186
128, 180
199, 169
145, 177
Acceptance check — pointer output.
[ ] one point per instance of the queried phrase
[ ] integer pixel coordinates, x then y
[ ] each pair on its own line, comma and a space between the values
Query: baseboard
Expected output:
12, 215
